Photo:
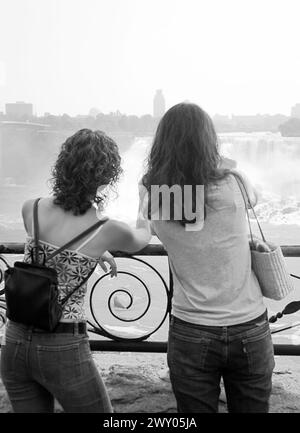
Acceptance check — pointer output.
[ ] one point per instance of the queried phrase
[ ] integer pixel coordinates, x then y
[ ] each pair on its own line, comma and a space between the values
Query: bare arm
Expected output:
120, 237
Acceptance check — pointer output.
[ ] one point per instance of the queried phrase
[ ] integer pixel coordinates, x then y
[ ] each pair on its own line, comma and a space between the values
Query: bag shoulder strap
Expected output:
65, 246
78, 237
248, 204
67, 297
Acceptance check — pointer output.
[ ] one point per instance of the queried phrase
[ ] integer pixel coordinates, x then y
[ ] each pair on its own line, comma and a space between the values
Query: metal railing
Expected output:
114, 342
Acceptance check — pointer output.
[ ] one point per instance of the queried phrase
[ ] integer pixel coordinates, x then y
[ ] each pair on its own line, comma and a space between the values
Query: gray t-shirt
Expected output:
213, 281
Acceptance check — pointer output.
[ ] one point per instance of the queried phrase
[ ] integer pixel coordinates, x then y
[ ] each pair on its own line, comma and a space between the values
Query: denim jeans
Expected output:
199, 356
37, 367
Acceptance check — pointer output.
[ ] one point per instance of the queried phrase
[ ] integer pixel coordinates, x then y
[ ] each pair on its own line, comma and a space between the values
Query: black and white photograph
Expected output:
149, 209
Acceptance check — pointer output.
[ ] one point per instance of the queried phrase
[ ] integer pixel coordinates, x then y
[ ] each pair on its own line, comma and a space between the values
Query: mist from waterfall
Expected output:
269, 160
124, 204
272, 165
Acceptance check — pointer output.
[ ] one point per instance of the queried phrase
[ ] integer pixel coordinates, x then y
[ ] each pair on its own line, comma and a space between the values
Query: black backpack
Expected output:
31, 289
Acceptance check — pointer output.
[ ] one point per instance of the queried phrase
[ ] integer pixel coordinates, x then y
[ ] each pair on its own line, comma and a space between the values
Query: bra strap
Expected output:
77, 238
89, 238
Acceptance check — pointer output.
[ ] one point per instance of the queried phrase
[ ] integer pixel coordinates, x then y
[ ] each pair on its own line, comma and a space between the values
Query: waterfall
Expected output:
124, 204
272, 164
270, 161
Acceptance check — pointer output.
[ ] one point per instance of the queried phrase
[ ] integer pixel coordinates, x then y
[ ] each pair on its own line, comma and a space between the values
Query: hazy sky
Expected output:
229, 56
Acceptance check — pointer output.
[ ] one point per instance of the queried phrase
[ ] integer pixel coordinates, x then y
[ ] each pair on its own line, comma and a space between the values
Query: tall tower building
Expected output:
159, 104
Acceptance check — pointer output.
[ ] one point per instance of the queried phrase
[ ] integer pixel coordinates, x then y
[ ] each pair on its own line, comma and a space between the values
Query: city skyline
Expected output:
229, 57
295, 108
150, 111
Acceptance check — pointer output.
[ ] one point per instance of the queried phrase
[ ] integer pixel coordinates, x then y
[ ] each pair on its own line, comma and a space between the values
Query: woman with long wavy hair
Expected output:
219, 326
38, 366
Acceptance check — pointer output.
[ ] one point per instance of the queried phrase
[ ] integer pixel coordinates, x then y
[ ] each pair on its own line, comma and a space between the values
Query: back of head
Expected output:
87, 160
184, 150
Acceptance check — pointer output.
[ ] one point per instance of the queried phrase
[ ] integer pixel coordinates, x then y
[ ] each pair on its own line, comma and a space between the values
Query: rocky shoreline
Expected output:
139, 383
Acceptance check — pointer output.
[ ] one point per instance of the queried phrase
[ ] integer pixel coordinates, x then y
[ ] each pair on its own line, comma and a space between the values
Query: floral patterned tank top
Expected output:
72, 268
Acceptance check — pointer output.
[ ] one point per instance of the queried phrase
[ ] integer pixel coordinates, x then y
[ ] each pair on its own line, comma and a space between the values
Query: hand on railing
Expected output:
108, 258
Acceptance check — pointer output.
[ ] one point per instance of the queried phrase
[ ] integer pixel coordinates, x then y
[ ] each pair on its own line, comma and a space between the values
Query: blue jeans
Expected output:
199, 356
37, 367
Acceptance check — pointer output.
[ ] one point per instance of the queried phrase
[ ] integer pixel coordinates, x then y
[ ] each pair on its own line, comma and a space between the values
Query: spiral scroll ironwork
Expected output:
131, 301
129, 304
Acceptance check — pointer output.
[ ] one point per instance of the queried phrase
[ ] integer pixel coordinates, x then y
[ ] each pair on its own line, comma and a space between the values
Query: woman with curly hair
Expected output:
38, 366
219, 326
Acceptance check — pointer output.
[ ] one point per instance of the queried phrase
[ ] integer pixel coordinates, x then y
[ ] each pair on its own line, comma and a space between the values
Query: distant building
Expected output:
221, 118
18, 110
295, 111
159, 104
82, 116
94, 112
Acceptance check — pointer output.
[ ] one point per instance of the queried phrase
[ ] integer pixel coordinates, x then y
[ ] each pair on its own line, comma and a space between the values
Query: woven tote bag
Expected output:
269, 267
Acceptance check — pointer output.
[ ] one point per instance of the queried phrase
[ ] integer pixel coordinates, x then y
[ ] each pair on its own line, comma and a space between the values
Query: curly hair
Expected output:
88, 159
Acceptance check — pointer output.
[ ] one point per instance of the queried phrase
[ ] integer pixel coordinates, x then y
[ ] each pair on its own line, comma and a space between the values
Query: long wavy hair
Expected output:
184, 151
87, 160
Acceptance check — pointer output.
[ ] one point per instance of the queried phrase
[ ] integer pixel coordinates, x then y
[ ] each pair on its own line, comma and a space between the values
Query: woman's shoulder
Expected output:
115, 228
47, 216
27, 212
240, 174
28, 205
245, 182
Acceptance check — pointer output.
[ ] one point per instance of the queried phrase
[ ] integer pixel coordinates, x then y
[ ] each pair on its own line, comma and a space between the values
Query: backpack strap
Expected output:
36, 230
65, 246
77, 238
67, 297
